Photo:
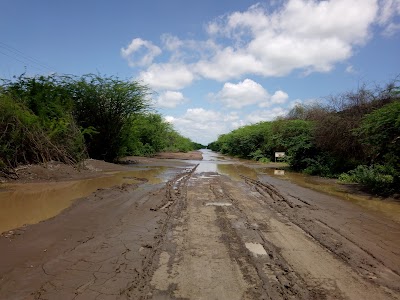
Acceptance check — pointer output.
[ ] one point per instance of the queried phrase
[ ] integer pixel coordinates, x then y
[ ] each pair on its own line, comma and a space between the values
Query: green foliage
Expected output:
48, 101
378, 179
65, 118
264, 160
348, 133
46, 97
178, 143
257, 155
106, 104
24, 139
260, 141
379, 131
295, 138
321, 164
147, 134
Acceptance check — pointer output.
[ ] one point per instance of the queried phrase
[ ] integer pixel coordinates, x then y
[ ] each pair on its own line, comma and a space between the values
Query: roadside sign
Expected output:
279, 155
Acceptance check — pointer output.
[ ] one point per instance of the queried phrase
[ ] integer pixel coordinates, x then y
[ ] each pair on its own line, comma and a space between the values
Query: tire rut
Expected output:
174, 202
359, 259
279, 280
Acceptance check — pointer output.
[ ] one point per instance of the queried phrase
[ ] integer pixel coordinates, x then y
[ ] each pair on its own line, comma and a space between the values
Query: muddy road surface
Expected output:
212, 229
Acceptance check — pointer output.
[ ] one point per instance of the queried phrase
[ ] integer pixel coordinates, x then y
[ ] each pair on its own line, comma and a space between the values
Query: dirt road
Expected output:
205, 234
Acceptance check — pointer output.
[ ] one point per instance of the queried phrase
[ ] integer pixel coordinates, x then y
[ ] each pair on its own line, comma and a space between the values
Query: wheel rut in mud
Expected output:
172, 205
367, 264
245, 240
101, 247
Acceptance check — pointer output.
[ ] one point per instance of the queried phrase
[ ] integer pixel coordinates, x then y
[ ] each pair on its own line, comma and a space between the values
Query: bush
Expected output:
42, 107
25, 140
378, 179
379, 131
64, 118
264, 160
106, 104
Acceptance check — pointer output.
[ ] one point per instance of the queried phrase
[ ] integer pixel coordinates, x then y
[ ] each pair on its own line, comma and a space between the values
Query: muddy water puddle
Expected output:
30, 203
235, 171
216, 163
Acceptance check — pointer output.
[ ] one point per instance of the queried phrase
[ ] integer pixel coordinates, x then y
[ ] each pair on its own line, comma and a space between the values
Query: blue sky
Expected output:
213, 65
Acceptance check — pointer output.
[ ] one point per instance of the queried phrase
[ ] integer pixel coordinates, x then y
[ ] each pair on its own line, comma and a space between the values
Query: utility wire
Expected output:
23, 62
23, 58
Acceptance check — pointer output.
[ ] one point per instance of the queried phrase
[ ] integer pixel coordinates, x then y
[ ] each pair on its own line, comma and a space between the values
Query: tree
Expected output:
106, 104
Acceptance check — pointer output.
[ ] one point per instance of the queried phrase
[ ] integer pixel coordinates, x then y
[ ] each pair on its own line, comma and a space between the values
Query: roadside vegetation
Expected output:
354, 136
68, 118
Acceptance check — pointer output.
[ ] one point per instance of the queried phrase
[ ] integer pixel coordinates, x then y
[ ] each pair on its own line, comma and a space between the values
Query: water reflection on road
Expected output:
234, 168
29, 203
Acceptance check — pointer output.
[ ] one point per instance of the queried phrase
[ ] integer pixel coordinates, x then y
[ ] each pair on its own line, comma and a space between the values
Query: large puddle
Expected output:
215, 162
30, 203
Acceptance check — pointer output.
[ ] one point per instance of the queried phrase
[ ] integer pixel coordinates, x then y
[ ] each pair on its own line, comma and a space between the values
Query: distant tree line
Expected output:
69, 118
354, 136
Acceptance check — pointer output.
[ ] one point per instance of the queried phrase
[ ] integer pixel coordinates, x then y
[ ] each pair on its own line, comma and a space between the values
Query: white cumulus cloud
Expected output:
170, 99
202, 125
171, 42
168, 76
308, 35
265, 115
295, 35
244, 93
279, 97
140, 52
388, 9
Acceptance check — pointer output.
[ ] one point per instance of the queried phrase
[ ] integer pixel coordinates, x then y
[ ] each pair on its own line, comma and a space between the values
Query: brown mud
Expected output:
191, 155
210, 229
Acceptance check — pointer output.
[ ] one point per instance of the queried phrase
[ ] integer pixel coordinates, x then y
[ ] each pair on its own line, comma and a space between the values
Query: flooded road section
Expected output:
221, 228
30, 203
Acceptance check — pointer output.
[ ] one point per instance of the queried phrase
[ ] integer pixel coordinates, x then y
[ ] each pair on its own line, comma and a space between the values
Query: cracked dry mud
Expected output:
204, 235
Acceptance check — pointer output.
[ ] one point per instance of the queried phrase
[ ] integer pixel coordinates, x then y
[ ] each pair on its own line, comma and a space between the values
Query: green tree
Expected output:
107, 105
379, 132
39, 109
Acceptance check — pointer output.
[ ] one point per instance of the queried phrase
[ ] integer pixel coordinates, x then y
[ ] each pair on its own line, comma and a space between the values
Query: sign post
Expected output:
279, 155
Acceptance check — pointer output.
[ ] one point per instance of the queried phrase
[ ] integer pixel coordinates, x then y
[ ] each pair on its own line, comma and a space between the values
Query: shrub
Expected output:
378, 179
106, 104
25, 140
264, 160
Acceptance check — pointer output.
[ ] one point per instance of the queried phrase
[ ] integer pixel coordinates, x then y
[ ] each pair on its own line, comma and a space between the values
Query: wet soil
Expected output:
191, 155
211, 229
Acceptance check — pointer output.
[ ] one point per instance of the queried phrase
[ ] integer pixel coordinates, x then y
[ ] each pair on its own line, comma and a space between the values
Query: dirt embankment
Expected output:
55, 171
191, 155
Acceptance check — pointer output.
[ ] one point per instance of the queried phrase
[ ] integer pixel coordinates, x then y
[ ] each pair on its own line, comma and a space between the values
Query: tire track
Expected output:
279, 281
174, 202
361, 260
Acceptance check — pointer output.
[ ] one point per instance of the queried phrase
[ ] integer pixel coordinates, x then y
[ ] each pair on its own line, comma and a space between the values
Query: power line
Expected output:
12, 57
23, 62
23, 58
